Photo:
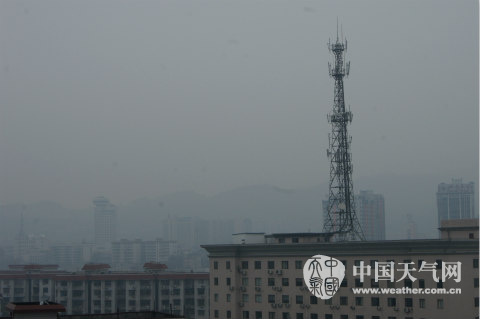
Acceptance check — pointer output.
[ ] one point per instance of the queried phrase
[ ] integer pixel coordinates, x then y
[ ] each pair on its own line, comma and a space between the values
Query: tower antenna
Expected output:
341, 218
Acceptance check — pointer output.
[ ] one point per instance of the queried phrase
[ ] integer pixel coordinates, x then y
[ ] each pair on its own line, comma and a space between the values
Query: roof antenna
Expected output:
341, 31
337, 29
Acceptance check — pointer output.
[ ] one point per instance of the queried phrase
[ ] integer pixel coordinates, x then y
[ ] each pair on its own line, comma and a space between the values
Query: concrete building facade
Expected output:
97, 290
265, 280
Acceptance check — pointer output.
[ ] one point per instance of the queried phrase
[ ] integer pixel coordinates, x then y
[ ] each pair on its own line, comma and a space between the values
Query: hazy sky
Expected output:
140, 98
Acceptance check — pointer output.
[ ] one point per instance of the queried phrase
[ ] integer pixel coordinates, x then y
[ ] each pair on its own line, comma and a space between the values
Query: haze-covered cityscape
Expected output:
149, 148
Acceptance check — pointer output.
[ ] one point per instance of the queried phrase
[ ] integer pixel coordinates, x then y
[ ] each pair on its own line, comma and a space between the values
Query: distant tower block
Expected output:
341, 218
105, 221
456, 200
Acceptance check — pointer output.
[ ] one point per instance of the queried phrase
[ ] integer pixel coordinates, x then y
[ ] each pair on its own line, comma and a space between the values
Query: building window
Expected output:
392, 302
373, 283
229, 297
258, 264
390, 284
245, 264
328, 316
285, 315
244, 281
298, 282
343, 316
299, 299
298, 264
281, 240
470, 236
271, 315
227, 264
408, 302
356, 262
216, 313
215, 265
475, 263
421, 303
328, 301
258, 298
215, 281
358, 283
313, 300
408, 283
285, 299
285, 282
244, 297
215, 297
313, 316
229, 314
359, 317
295, 240
284, 264
343, 300
299, 315
228, 281
476, 302
344, 283
271, 282
439, 303
421, 283
271, 298
271, 264
375, 302
475, 282
358, 301
439, 263
440, 284
245, 315
258, 281
258, 315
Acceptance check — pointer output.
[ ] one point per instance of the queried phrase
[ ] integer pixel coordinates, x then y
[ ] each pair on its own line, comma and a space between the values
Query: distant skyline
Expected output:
138, 99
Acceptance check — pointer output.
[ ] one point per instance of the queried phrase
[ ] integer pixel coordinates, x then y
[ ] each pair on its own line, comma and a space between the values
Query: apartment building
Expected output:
97, 290
263, 278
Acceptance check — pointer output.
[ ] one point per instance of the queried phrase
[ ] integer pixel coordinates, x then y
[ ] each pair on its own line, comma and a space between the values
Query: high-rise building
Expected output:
371, 213
105, 221
455, 200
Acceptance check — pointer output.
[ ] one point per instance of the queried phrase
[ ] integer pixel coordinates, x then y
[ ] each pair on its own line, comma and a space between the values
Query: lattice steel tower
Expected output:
341, 217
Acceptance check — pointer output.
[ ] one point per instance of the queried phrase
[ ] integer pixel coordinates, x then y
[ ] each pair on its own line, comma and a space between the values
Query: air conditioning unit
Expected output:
279, 305
270, 272
396, 309
278, 272
274, 305
243, 289
302, 306
379, 308
258, 289
352, 307
307, 306
244, 272
407, 310
232, 288
287, 305
241, 304
279, 288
